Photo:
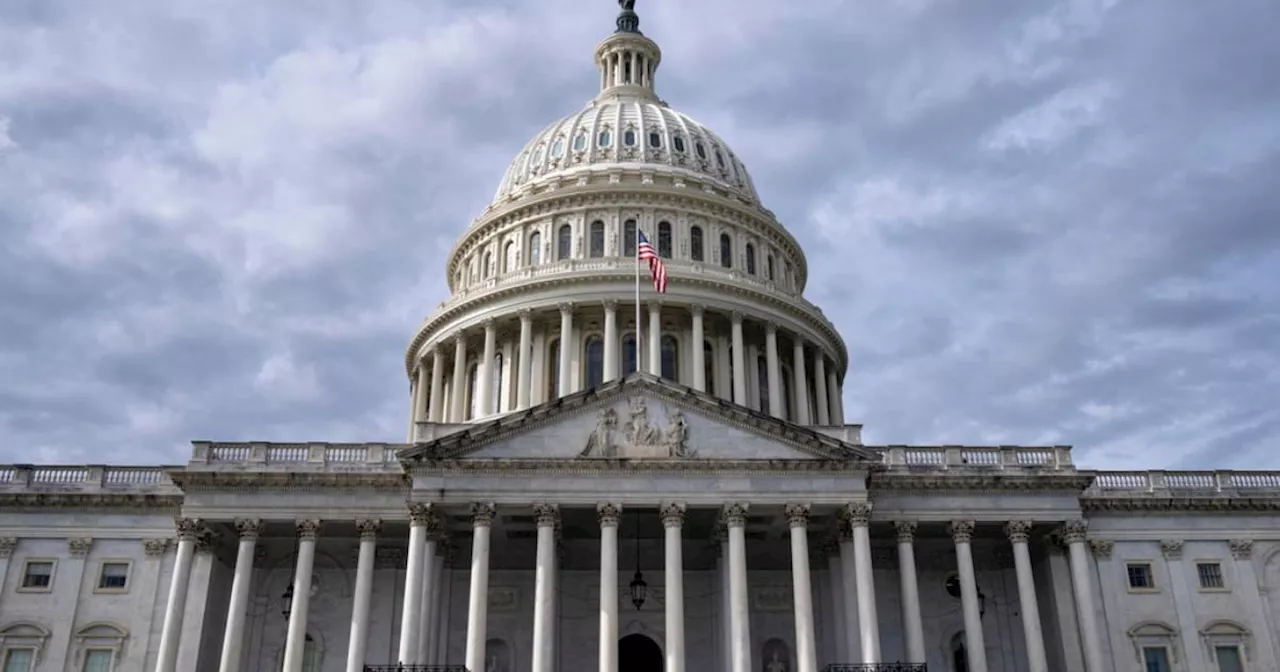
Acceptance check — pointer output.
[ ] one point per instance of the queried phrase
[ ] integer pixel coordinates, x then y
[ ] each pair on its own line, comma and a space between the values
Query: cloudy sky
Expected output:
1034, 222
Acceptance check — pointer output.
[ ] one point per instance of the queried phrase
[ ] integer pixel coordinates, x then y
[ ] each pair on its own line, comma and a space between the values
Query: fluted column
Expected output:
458, 396
359, 638
849, 583
438, 592
912, 624
801, 383
835, 592
858, 515
835, 399
611, 340
175, 607
436, 401
820, 401
699, 349
974, 644
524, 377
482, 514
1018, 532
566, 348
296, 640
422, 522
735, 518
430, 564
416, 391
802, 588
672, 514
545, 514
1073, 535
233, 634
655, 338
484, 373
610, 515
773, 375
739, 364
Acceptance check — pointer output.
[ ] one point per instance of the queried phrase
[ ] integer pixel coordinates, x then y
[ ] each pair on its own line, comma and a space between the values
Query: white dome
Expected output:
623, 131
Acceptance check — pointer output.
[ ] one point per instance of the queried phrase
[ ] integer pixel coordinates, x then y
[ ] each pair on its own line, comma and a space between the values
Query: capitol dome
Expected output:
544, 299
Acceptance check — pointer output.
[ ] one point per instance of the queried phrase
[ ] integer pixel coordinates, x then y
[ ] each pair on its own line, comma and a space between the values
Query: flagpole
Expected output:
638, 329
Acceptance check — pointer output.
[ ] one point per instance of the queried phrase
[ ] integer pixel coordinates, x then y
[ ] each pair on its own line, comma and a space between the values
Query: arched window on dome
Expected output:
626, 68
629, 238
595, 361
677, 142
709, 366
605, 138
486, 264
629, 137
769, 266
655, 139
751, 259
580, 141
719, 159
726, 251
553, 370
701, 150
695, 244
762, 382
557, 148
670, 358
509, 257
628, 354
495, 386
597, 239
564, 242
535, 248
664, 240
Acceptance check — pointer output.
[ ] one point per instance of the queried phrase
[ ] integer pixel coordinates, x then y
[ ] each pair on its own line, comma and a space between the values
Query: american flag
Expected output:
645, 252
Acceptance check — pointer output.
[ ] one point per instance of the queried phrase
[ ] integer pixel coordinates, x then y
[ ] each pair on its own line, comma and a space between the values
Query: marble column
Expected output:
672, 514
233, 634
912, 624
171, 632
296, 639
1019, 532
801, 383
848, 578
430, 571
484, 372
1073, 535
835, 399
482, 515
858, 515
1246, 577
735, 518
546, 515
610, 515
726, 606
612, 342
773, 374
835, 588
566, 349
524, 359
435, 402
415, 395
699, 351
655, 338
358, 641
422, 522
974, 644
438, 591
802, 588
739, 363
458, 395
820, 399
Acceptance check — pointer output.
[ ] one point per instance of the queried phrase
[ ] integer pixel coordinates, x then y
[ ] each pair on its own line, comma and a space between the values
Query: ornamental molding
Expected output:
1171, 504
96, 501
1241, 549
309, 481
975, 480
7, 545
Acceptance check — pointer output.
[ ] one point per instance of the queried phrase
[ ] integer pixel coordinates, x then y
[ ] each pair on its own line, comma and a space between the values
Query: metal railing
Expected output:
877, 667
415, 668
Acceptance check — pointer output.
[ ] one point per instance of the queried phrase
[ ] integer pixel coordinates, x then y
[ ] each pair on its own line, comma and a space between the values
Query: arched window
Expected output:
629, 238
670, 358
628, 354
580, 141
709, 366
702, 151
629, 137
605, 138
486, 264
677, 142
597, 239
664, 240
557, 148
553, 371
762, 383
695, 243
535, 248
769, 267
751, 259
959, 656
509, 259
495, 385
726, 251
655, 139
595, 361
564, 242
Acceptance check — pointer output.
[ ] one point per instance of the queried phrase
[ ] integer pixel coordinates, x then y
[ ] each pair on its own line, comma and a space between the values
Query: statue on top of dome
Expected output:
627, 5
628, 22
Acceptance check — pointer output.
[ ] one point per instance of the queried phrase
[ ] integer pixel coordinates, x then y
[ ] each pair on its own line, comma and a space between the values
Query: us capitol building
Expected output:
560, 506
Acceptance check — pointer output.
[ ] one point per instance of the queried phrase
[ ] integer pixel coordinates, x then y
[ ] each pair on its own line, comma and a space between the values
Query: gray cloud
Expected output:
1032, 221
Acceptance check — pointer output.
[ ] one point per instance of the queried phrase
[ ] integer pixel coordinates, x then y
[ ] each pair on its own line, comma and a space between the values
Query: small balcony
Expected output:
877, 667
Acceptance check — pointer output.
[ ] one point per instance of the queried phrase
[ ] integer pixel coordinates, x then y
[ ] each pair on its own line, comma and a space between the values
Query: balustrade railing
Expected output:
415, 668
877, 667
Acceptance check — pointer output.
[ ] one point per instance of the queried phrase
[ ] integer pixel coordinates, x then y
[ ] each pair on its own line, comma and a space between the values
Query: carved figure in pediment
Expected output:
677, 436
641, 438
639, 431
600, 443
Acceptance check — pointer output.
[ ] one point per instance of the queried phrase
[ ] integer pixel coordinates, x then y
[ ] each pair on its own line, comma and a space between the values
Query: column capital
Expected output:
308, 528
79, 547
368, 528
525, 315
906, 531
154, 548
206, 540
566, 308
435, 350
1018, 531
546, 514
696, 309
1074, 531
1241, 549
609, 514
654, 306
611, 305
1102, 548
735, 317
1171, 549
672, 514
188, 528
797, 341
771, 328
735, 514
490, 325
250, 528
961, 531
423, 514
797, 515
857, 514
483, 513
7, 544
459, 339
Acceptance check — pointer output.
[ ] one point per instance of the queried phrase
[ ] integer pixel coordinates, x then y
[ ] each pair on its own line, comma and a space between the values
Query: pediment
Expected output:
639, 418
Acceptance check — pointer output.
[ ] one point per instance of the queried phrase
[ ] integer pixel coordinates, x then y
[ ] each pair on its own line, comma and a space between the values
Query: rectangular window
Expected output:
114, 576
1210, 574
1155, 659
1140, 576
97, 660
1228, 659
38, 574
18, 660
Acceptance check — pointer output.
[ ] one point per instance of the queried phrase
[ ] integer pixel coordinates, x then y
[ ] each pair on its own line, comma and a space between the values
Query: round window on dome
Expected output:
678, 142
605, 138
557, 149
702, 151
655, 139
580, 142
629, 138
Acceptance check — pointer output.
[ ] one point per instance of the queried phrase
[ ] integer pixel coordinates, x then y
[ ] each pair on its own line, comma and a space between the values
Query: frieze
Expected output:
85, 500
640, 438
393, 478
1179, 504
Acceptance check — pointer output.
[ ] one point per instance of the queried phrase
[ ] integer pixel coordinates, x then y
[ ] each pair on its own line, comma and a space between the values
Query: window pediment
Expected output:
1154, 634
24, 634
1226, 633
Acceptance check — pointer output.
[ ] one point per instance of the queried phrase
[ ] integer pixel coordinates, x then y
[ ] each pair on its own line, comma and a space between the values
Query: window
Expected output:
1229, 659
580, 142
1210, 574
486, 263
473, 405
597, 239
557, 148
695, 243
726, 251
19, 660
709, 366
751, 259
629, 238
605, 138
628, 354
98, 660
1156, 659
564, 242
113, 576
537, 156
670, 358
769, 267
509, 260
629, 137
495, 385
595, 361
535, 248
702, 151
655, 139
719, 159
37, 575
762, 382
664, 240
677, 141
553, 375
1140, 576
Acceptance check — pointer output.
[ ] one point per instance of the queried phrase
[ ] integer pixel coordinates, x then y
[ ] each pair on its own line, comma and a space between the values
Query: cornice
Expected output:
951, 480
596, 466
191, 481
1175, 504
98, 501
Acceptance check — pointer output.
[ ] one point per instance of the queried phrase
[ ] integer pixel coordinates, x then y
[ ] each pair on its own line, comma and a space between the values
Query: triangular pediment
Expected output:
638, 418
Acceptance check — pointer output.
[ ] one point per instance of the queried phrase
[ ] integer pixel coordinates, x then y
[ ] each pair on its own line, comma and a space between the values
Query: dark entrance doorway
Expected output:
637, 653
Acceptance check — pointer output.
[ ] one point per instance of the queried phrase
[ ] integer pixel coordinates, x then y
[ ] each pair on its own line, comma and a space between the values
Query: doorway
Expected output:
637, 653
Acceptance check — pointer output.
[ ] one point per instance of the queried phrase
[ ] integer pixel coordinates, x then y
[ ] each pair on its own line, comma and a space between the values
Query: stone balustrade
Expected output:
919, 458
1159, 483
340, 455
85, 478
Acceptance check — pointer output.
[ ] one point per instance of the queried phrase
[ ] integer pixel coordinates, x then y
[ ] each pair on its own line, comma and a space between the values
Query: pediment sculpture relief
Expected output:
641, 437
